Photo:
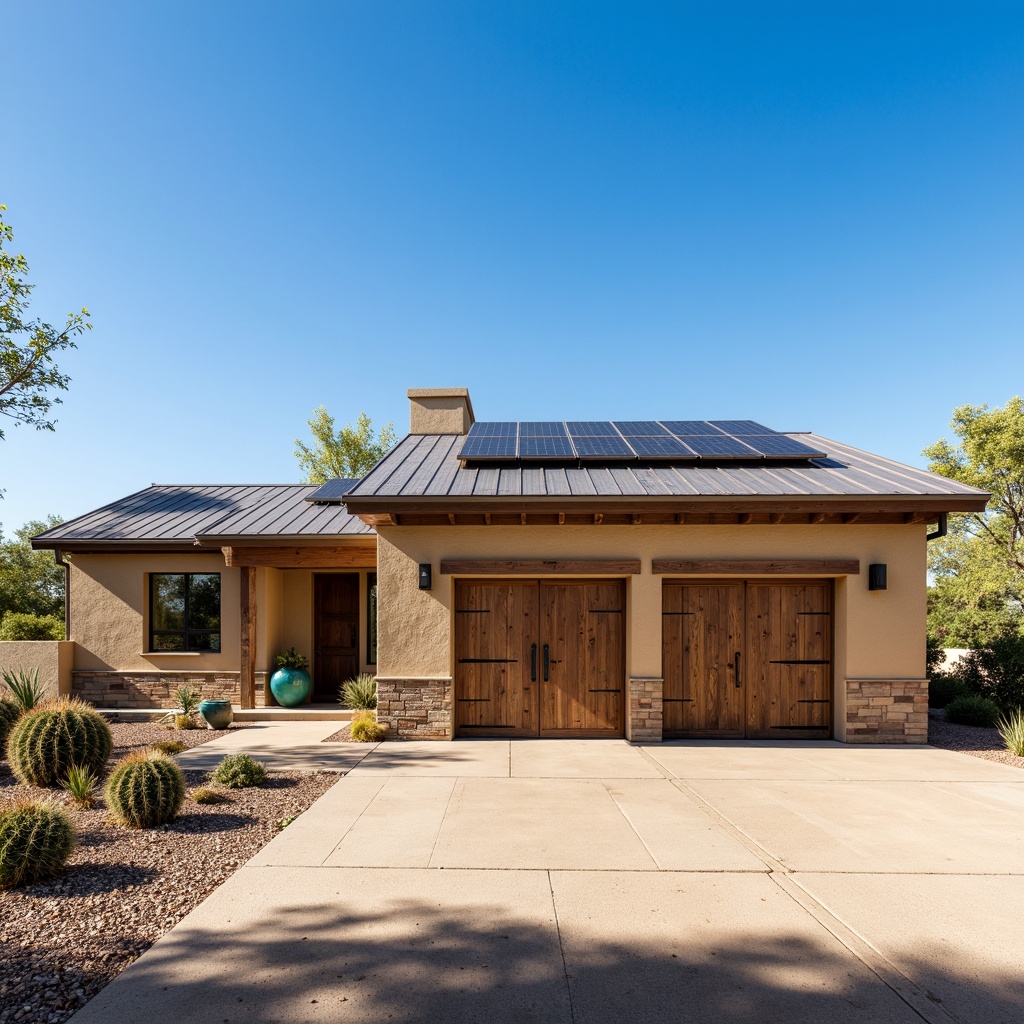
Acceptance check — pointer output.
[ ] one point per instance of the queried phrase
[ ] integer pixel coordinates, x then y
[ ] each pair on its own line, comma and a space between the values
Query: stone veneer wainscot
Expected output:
886, 710
415, 708
157, 689
644, 722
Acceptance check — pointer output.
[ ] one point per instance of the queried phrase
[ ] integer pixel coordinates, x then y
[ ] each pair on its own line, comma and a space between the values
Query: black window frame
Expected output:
185, 632
371, 618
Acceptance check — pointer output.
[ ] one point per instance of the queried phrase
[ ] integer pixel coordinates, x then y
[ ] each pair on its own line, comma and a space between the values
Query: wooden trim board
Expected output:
541, 566
755, 567
356, 556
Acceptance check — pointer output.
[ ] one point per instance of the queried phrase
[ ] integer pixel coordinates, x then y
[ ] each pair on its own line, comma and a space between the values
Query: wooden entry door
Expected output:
748, 658
335, 632
539, 659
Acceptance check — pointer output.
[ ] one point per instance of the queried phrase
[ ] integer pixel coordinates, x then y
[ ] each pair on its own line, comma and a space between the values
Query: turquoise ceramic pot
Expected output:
217, 714
290, 686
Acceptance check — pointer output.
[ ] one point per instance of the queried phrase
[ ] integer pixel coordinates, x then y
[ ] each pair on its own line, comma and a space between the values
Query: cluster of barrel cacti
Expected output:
47, 741
145, 790
36, 839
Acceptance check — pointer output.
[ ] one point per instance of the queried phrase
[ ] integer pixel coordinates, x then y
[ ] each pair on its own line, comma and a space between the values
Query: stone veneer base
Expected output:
645, 709
415, 708
156, 689
886, 710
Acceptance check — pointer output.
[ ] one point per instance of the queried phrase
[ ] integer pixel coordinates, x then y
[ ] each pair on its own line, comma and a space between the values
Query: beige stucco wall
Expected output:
878, 635
53, 658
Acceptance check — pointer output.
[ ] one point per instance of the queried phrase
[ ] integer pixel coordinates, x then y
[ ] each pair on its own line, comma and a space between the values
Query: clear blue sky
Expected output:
808, 214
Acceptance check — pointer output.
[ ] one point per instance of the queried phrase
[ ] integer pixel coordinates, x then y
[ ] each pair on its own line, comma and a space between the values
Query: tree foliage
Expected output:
28, 374
31, 582
978, 570
349, 452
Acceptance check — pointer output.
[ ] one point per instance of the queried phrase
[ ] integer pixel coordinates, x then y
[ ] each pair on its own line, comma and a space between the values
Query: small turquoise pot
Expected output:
291, 686
217, 714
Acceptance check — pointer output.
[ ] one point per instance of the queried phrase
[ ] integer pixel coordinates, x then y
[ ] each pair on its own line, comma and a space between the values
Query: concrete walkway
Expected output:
585, 881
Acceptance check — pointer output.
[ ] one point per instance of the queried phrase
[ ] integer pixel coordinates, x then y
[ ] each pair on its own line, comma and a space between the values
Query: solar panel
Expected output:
549, 429
719, 446
742, 427
480, 446
591, 428
493, 430
780, 446
602, 448
697, 428
639, 428
663, 447
545, 448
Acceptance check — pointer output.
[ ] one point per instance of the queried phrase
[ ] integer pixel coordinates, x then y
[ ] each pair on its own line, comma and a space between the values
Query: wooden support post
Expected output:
247, 680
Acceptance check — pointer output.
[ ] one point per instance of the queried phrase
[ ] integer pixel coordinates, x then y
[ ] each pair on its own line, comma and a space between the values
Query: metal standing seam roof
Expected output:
178, 514
428, 466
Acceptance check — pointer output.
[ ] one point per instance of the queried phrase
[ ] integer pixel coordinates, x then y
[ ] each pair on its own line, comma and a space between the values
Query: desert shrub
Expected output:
205, 795
943, 688
997, 670
973, 710
168, 747
81, 784
25, 689
24, 626
359, 694
184, 715
36, 839
145, 789
934, 654
9, 714
1011, 729
238, 771
366, 729
52, 738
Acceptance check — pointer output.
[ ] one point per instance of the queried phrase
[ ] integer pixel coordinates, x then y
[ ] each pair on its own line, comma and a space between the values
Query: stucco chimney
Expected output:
440, 411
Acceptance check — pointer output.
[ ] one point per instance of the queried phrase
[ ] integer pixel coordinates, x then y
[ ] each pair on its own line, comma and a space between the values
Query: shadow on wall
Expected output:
413, 961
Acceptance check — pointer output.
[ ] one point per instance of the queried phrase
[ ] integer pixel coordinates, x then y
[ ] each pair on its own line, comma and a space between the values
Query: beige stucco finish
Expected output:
878, 635
53, 658
439, 411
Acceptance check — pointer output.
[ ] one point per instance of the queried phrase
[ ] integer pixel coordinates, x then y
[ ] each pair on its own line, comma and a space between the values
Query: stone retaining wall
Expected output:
156, 689
886, 711
415, 708
644, 717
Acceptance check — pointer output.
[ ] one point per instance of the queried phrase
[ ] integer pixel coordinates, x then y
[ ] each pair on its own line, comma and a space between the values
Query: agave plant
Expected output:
1011, 730
360, 693
183, 716
25, 687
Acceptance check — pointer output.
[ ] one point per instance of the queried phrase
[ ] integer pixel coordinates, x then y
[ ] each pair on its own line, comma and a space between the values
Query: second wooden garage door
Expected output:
539, 659
748, 658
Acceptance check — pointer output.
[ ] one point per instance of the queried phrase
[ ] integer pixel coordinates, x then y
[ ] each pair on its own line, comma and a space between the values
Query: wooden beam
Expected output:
598, 518
247, 659
755, 567
636, 519
775, 518
561, 518
818, 517
850, 517
356, 556
680, 518
908, 517
522, 518
541, 566
746, 517
487, 518
451, 518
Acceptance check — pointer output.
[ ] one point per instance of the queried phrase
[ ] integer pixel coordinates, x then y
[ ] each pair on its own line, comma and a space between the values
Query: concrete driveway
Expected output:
590, 881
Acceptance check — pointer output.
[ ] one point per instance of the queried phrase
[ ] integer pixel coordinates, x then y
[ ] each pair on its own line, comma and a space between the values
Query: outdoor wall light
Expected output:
426, 574
876, 576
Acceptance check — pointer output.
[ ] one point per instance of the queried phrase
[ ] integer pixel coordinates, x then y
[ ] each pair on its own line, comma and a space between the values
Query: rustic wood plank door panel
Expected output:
789, 663
336, 632
702, 643
496, 692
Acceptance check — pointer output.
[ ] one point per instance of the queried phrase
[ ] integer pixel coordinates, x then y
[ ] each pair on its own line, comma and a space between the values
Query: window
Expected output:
184, 611
371, 618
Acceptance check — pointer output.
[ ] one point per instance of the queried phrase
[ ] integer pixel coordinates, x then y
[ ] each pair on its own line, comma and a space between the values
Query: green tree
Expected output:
31, 582
28, 374
978, 570
349, 452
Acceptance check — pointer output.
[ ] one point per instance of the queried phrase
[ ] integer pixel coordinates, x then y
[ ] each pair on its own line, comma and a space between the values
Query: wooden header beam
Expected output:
755, 567
354, 556
541, 566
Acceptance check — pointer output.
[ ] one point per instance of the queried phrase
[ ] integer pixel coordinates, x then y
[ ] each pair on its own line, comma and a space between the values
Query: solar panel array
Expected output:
627, 440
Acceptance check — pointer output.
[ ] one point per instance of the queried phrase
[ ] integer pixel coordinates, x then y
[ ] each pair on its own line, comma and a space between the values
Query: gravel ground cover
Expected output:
970, 739
64, 939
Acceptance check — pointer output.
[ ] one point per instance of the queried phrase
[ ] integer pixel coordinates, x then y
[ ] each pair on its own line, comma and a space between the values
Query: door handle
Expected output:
739, 680
354, 637
533, 663
547, 662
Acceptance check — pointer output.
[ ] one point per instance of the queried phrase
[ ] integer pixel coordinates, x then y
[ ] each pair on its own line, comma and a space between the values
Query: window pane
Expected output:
204, 641
168, 641
371, 654
204, 601
168, 601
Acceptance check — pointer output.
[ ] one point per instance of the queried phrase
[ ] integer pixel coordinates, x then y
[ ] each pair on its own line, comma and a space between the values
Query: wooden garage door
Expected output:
535, 658
747, 659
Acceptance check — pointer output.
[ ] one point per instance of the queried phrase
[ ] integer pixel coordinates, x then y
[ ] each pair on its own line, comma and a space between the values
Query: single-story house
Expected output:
647, 579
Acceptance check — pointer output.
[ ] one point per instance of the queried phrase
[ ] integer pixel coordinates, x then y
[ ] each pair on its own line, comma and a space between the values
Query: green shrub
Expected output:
183, 716
359, 694
167, 747
934, 654
24, 626
292, 659
145, 789
973, 710
205, 795
81, 784
366, 729
943, 688
997, 670
36, 839
238, 771
9, 714
52, 738
26, 690
1011, 729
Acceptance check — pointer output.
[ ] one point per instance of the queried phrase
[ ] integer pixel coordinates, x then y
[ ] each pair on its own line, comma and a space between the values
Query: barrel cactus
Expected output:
145, 789
9, 712
36, 839
48, 740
